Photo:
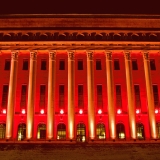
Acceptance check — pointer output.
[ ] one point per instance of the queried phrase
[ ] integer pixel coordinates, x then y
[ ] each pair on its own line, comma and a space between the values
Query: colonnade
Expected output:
90, 87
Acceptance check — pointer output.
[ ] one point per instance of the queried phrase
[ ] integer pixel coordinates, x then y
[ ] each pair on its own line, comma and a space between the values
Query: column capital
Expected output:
71, 54
90, 55
127, 55
146, 55
52, 55
33, 55
108, 55
14, 55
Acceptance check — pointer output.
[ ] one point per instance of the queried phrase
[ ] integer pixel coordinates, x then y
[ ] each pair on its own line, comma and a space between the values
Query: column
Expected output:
149, 89
110, 93
130, 95
51, 95
90, 84
31, 95
11, 95
71, 112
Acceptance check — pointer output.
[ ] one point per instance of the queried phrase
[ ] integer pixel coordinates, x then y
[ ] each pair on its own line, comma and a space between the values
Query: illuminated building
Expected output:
79, 77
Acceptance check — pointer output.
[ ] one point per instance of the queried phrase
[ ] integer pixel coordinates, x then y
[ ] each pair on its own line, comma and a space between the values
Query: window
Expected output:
120, 131
80, 96
5, 96
140, 131
61, 65
81, 132
118, 96
99, 96
116, 64
61, 95
155, 95
7, 64
42, 96
21, 132
61, 131
152, 64
25, 64
98, 65
137, 96
80, 64
134, 65
2, 131
43, 64
100, 131
23, 96
41, 134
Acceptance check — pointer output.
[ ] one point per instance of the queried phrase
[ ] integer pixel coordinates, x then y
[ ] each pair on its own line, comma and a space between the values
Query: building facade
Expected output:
79, 77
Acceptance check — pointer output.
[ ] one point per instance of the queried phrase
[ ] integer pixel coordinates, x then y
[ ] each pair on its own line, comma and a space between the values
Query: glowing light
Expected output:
4, 111
156, 111
119, 111
138, 111
61, 111
42, 111
99, 111
80, 111
23, 111
71, 134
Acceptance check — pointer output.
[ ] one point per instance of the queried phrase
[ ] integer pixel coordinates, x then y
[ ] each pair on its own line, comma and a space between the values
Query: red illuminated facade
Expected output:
79, 77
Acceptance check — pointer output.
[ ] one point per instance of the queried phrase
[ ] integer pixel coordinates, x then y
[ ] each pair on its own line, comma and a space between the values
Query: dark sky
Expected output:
80, 6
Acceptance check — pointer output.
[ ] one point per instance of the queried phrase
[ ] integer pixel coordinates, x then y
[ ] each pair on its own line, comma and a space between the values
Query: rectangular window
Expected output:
99, 96
5, 96
43, 64
42, 96
137, 96
134, 64
7, 64
25, 64
61, 96
61, 65
80, 64
118, 96
23, 96
80, 96
98, 65
152, 64
116, 64
155, 95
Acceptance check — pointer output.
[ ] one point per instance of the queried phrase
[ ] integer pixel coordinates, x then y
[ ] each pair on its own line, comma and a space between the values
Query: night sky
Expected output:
80, 7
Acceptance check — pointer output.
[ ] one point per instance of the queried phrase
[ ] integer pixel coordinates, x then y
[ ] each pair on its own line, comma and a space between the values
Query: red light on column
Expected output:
4, 111
42, 111
80, 111
99, 111
138, 111
156, 111
61, 111
119, 111
23, 111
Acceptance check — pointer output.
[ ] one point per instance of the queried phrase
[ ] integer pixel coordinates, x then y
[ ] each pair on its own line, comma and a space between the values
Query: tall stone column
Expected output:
90, 84
130, 95
51, 95
11, 95
31, 95
71, 112
110, 92
149, 89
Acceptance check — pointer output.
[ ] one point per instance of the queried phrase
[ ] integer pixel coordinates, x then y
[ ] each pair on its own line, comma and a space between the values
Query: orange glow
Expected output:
4, 111
119, 111
99, 111
23, 111
61, 111
138, 111
133, 130
113, 136
71, 136
42, 111
92, 130
80, 111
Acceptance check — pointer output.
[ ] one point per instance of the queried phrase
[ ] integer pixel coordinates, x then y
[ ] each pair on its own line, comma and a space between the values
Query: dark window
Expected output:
41, 134
80, 64
5, 96
155, 95
116, 65
25, 64
80, 96
2, 131
152, 64
118, 96
43, 64
61, 95
137, 96
61, 131
42, 96
134, 65
61, 65
99, 96
7, 64
98, 65
23, 95
120, 131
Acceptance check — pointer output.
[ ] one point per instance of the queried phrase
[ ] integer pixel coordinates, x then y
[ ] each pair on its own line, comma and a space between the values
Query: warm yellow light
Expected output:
92, 130
113, 136
71, 136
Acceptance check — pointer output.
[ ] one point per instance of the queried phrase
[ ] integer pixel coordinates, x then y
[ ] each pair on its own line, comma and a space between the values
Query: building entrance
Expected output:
21, 132
2, 131
140, 131
81, 132
120, 131
41, 134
